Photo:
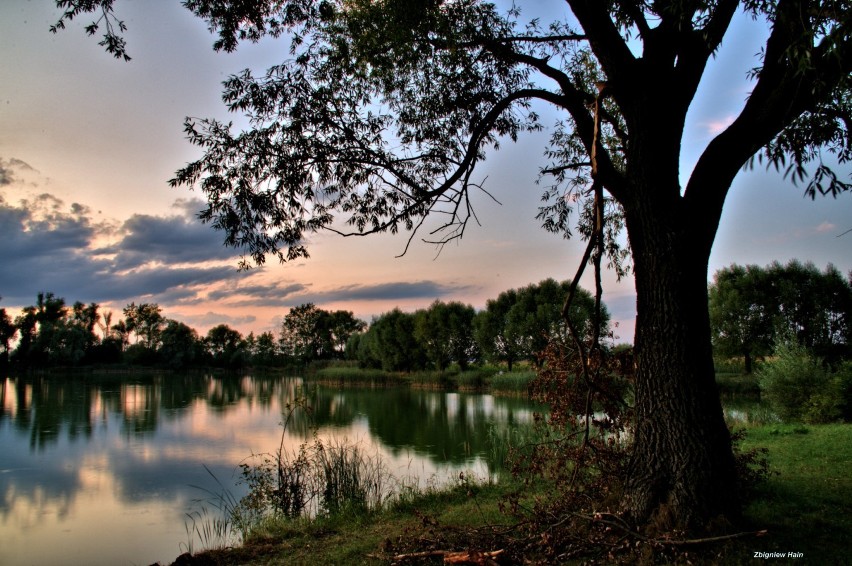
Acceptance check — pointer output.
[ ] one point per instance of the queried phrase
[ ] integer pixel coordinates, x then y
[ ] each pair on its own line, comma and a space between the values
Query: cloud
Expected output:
297, 294
275, 294
168, 240
7, 166
393, 291
714, 127
7, 173
47, 246
826, 226
170, 259
210, 319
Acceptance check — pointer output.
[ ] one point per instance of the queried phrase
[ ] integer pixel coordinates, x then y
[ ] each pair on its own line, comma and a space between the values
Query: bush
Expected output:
800, 388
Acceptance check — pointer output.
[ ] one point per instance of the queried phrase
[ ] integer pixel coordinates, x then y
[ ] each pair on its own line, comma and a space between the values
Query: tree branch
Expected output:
421, 196
715, 29
576, 103
607, 43
636, 16
785, 90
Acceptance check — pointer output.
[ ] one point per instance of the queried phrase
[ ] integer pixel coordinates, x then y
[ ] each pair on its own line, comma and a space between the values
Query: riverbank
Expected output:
803, 507
480, 379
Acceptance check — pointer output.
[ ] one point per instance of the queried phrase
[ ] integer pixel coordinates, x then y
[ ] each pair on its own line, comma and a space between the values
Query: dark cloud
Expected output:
285, 296
173, 259
46, 246
7, 170
392, 291
168, 240
266, 295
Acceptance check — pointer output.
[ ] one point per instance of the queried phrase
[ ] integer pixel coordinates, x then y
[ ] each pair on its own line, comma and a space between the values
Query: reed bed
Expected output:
512, 383
358, 376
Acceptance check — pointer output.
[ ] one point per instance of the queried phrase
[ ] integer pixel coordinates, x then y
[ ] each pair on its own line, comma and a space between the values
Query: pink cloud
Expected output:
715, 127
826, 227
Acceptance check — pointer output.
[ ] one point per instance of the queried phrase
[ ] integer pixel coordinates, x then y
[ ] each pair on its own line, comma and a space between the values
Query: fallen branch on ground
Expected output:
599, 518
462, 558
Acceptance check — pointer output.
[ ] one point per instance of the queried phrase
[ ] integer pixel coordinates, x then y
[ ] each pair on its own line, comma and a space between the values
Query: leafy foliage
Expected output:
752, 307
390, 343
226, 347
7, 333
445, 331
112, 40
800, 388
310, 333
519, 323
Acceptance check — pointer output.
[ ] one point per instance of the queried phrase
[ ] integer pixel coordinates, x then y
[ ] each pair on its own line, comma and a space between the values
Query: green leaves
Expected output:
752, 308
310, 333
112, 40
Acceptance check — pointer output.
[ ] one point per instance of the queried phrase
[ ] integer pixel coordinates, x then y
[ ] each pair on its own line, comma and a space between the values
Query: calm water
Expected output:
102, 470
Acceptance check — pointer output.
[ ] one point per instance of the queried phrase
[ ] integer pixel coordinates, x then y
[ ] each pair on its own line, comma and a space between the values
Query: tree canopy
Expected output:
752, 308
519, 323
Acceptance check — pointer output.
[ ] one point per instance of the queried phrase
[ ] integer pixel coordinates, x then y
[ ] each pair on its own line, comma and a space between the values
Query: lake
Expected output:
104, 469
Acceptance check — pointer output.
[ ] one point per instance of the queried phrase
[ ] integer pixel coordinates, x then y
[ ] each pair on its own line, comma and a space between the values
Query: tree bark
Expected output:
681, 472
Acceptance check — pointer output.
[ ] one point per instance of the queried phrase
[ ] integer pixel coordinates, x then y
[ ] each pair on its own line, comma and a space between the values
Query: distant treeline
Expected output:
513, 327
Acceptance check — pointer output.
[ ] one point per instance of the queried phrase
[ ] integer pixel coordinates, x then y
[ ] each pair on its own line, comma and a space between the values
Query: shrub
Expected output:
800, 388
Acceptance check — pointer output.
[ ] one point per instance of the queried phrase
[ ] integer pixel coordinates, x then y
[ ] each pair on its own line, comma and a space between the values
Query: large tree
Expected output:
814, 306
384, 109
311, 333
7, 334
742, 313
445, 331
751, 305
147, 321
519, 323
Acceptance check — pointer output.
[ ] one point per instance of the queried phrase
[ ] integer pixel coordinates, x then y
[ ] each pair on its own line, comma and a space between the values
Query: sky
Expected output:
88, 144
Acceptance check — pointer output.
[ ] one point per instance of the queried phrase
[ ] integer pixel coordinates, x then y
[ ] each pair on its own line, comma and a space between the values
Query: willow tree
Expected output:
383, 111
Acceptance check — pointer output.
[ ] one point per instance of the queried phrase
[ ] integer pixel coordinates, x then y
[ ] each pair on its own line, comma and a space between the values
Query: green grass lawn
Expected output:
807, 503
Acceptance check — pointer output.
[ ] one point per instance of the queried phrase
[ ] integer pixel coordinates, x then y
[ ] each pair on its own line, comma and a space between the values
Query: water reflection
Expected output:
102, 467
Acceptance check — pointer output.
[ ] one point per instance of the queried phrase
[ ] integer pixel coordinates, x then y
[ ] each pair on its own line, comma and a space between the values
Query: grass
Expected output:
807, 505
366, 538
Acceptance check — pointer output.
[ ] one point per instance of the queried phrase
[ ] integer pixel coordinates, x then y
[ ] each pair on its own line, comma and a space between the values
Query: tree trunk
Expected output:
681, 472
